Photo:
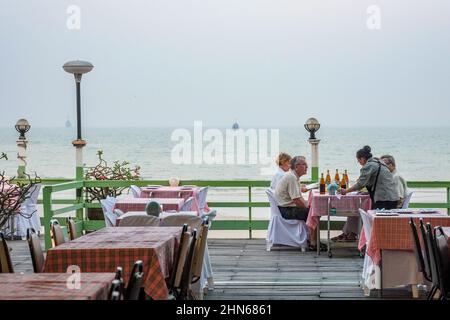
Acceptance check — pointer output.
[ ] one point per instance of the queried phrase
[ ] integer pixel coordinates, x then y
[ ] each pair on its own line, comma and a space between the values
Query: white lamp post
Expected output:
312, 126
22, 126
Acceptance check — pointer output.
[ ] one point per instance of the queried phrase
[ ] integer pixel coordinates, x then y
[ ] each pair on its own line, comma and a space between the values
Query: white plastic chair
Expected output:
108, 211
187, 205
407, 200
136, 191
29, 217
211, 214
292, 233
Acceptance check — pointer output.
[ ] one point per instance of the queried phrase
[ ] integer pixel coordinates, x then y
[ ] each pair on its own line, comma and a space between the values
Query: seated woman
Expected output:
283, 162
378, 180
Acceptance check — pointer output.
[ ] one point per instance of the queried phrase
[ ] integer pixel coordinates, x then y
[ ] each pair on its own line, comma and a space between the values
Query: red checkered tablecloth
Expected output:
139, 204
394, 232
108, 248
318, 205
54, 286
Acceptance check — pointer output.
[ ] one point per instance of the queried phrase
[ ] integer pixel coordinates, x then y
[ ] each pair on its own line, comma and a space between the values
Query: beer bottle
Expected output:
336, 178
328, 178
322, 185
345, 182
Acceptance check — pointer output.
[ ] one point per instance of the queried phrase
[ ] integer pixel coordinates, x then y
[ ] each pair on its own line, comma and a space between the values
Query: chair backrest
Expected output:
5, 259
367, 225
407, 200
153, 208
187, 270
433, 251
136, 191
443, 260
201, 198
274, 210
176, 220
71, 228
426, 251
135, 283
37, 255
199, 253
416, 246
108, 207
187, 205
115, 291
57, 233
183, 249
139, 221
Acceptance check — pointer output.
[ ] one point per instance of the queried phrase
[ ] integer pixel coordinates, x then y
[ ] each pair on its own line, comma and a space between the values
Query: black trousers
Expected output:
294, 213
387, 205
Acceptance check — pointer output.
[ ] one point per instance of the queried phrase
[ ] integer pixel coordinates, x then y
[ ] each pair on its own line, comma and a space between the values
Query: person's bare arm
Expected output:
299, 202
303, 188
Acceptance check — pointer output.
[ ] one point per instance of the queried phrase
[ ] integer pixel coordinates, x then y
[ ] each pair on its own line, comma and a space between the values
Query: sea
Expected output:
421, 153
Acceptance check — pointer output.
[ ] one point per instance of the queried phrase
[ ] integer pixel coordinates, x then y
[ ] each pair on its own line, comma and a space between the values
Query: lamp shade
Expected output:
22, 126
312, 125
78, 67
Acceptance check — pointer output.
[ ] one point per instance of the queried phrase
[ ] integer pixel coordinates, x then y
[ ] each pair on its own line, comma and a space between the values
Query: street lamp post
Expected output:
78, 68
312, 126
22, 126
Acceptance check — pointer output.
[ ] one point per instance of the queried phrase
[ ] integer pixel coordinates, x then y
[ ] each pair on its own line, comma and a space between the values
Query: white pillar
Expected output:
21, 157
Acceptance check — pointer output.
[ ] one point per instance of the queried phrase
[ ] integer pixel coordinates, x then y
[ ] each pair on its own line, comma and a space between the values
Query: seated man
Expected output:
400, 182
290, 200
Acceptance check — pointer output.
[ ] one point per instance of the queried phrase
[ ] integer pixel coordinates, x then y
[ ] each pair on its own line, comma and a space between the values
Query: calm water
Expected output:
421, 153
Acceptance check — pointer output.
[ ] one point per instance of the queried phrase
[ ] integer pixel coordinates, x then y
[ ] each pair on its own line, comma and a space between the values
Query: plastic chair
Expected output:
28, 217
136, 191
292, 233
108, 211
407, 200
187, 205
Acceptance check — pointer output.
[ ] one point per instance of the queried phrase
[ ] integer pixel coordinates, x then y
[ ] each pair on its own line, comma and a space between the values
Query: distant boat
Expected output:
68, 124
235, 126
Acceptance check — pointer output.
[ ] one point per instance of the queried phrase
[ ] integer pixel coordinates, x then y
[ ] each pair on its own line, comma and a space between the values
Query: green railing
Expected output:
250, 224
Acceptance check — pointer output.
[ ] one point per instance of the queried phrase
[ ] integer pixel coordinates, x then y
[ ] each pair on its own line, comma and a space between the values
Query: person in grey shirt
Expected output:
378, 180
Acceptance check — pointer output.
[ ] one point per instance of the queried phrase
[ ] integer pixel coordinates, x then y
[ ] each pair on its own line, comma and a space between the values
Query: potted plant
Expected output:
13, 193
102, 171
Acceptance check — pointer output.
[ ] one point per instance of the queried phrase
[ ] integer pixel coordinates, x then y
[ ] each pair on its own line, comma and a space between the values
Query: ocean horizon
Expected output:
421, 154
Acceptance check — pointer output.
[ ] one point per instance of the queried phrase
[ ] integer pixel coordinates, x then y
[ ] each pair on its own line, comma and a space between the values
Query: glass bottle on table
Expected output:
322, 185
337, 179
327, 180
344, 182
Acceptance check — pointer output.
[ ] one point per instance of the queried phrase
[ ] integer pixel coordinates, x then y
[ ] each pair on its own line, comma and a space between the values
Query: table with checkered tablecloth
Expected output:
175, 192
55, 286
139, 204
109, 248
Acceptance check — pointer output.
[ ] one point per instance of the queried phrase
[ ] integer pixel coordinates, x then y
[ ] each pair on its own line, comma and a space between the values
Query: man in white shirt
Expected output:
400, 182
291, 203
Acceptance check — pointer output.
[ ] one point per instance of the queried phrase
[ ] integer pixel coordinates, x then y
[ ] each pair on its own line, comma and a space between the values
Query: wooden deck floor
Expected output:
243, 269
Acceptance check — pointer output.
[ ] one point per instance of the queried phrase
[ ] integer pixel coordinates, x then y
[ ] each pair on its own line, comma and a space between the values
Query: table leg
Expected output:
415, 291
318, 236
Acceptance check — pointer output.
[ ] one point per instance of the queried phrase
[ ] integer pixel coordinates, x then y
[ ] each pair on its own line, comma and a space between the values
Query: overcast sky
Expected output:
262, 62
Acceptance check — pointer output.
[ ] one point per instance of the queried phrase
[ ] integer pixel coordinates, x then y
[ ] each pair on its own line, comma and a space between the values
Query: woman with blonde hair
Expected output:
283, 162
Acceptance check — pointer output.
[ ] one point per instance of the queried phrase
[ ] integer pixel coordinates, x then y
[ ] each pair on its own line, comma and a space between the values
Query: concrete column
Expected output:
314, 159
21, 157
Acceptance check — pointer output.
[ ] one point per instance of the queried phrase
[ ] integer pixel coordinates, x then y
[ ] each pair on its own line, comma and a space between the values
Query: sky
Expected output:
264, 63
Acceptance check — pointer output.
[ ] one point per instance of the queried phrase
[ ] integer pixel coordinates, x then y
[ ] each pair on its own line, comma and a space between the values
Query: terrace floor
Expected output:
243, 269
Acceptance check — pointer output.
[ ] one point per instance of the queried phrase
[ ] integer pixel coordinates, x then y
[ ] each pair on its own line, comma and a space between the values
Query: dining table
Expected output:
55, 286
106, 249
139, 204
